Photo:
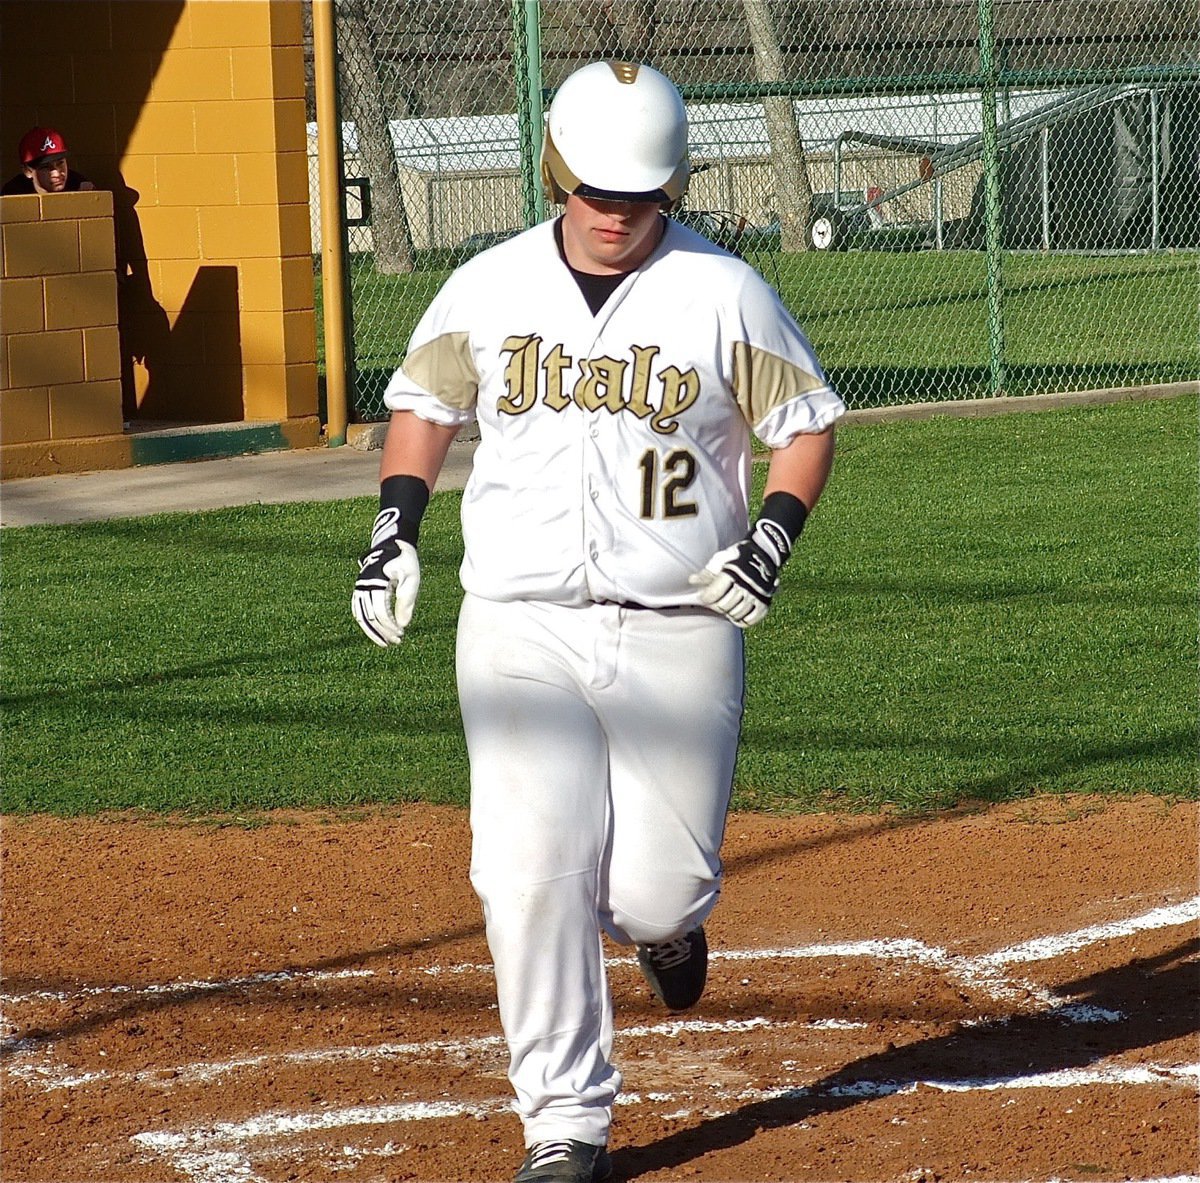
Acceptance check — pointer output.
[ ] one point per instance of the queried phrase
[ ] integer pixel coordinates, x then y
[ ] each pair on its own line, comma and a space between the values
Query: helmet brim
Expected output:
654, 196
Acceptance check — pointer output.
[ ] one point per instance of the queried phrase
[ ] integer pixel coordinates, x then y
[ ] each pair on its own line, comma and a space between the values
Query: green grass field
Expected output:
906, 327
981, 609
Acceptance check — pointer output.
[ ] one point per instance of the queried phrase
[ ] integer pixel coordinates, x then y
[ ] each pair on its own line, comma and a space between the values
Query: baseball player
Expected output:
616, 364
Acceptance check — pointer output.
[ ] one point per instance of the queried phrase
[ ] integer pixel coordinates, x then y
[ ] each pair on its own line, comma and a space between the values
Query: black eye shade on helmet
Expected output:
655, 196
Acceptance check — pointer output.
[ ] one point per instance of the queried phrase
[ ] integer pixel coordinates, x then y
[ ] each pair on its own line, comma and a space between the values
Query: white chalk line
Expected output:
1044, 948
982, 971
1038, 949
173, 989
48, 1075
219, 1161
218, 1153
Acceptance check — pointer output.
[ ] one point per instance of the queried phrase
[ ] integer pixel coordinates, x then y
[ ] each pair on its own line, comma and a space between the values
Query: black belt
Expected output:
636, 607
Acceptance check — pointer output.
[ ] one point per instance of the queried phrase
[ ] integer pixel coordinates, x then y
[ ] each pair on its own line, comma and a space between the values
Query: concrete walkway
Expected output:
267, 478
330, 474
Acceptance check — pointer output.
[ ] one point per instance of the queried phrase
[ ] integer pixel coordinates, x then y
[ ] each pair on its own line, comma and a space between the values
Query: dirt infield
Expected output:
1008, 994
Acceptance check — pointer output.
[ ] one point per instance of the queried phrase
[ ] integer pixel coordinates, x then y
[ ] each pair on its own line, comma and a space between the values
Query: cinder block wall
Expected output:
60, 365
217, 160
191, 114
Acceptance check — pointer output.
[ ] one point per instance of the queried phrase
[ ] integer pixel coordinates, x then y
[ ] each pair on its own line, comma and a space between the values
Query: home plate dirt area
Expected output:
1004, 994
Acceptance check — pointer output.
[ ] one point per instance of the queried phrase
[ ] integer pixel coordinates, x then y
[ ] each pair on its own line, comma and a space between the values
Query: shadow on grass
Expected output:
289, 661
931, 595
976, 293
1022, 766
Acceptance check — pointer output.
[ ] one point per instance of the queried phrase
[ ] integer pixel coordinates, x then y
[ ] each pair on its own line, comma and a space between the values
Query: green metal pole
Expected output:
333, 275
993, 216
524, 124
527, 63
533, 29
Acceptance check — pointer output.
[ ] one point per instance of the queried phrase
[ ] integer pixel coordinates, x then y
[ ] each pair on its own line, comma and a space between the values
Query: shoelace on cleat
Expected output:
670, 953
545, 1153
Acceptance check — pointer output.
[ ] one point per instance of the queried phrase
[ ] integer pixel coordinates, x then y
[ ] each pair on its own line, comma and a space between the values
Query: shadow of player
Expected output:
1156, 999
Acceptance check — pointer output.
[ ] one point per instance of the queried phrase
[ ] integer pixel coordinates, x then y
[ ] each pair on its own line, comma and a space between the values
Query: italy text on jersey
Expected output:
537, 374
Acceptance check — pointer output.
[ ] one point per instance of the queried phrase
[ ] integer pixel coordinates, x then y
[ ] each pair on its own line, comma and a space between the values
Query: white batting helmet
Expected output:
616, 131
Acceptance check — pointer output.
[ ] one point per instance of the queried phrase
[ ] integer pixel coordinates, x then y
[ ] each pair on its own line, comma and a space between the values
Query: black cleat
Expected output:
676, 970
565, 1161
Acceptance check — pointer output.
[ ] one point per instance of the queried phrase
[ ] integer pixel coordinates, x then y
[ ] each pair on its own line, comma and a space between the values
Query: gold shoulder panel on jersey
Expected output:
763, 381
445, 368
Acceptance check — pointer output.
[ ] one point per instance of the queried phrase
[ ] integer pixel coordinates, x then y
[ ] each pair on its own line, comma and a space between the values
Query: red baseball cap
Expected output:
41, 141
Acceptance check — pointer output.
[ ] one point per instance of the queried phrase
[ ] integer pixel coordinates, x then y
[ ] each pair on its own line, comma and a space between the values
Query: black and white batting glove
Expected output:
389, 574
740, 581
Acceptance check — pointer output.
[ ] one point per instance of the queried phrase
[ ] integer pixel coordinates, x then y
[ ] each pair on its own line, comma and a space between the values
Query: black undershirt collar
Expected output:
596, 289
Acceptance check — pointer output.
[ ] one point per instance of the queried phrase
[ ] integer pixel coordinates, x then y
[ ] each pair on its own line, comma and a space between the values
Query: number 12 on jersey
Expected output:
664, 484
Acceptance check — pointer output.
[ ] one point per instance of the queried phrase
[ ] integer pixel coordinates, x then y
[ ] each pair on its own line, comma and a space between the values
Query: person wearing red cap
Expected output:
44, 169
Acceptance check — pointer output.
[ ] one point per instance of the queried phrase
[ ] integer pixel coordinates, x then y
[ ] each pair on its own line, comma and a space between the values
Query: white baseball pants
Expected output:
602, 742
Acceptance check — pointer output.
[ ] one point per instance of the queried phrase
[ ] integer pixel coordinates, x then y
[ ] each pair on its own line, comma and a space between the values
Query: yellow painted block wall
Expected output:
60, 364
193, 114
222, 212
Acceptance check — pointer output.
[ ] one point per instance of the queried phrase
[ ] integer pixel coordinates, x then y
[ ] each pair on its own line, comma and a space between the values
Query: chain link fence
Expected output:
954, 199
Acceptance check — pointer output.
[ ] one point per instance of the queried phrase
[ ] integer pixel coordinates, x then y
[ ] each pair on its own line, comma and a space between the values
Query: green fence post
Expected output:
993, 215
534, 29
339, 360
527, 60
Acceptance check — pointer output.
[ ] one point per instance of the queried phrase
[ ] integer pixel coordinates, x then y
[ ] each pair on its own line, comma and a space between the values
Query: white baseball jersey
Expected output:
614, 453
